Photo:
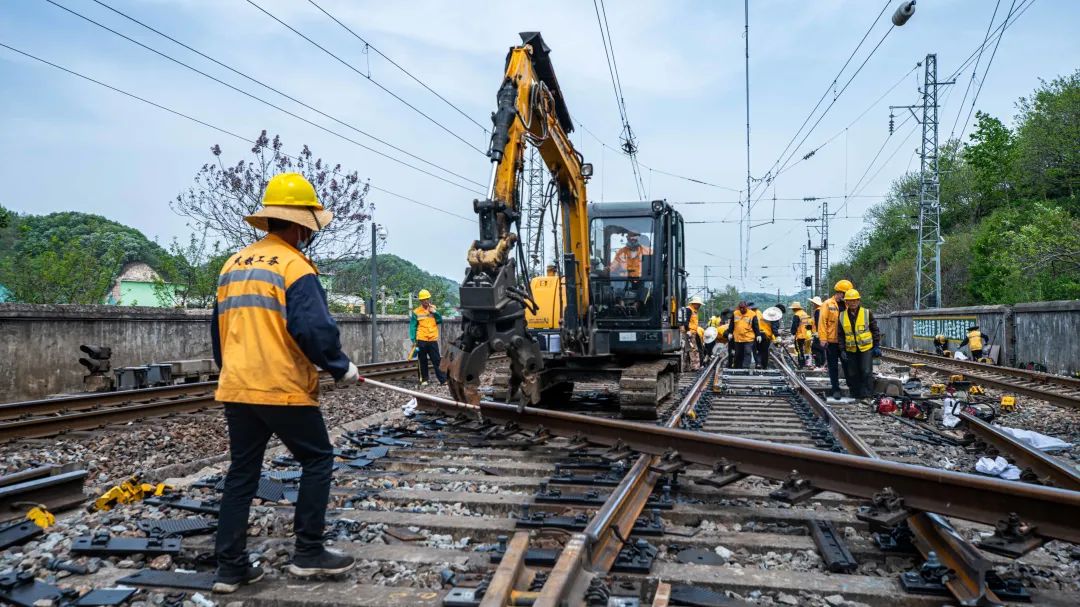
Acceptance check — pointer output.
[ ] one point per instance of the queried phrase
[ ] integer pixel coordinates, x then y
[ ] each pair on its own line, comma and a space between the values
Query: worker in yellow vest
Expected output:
859, 337
769, 322
270, 333
693, 330
974, 340
800, 330
424, 324
828, 321
744, 332
816, 348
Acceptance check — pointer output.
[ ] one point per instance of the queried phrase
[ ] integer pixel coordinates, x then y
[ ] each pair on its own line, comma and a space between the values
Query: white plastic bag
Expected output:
959, 356
410, 408
998, 466
948, 413
1034, 439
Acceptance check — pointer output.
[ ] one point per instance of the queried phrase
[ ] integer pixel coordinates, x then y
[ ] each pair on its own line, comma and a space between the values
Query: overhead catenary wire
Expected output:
268, 87
202, 122
267, 103
367, 77
986, 72
975, 69
368, 45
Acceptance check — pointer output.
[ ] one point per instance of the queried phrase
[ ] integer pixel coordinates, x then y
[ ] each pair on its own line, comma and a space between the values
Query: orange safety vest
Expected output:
261, 364
427, 329
741, 328
627, 261
803, 332
829, 318
765, 326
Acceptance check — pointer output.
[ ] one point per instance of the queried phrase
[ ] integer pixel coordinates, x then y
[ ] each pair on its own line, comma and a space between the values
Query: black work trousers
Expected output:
429, 350
731, 353
832, 357
744, 353
859, 372
976, 354
302, 429
800, 352
761, 351
818, 350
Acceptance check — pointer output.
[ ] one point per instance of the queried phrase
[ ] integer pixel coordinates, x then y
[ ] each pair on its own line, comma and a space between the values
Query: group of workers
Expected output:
839, 332
975, 340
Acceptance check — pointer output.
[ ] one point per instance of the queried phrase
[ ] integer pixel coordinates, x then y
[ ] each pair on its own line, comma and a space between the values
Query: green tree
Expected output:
990, 157
189, 275
65, 273
1048, 157
397, 278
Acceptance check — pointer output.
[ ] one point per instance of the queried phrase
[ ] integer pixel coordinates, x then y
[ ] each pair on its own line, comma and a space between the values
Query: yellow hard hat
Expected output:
844, 286
696, 300
795, 305
423, 294
290, 197
852, 294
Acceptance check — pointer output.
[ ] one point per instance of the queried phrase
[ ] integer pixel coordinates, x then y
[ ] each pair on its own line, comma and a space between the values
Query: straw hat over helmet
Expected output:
290, 197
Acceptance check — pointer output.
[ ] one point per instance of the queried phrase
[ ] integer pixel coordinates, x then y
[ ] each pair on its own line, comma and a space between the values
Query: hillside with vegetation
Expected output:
397, 278
1010, 213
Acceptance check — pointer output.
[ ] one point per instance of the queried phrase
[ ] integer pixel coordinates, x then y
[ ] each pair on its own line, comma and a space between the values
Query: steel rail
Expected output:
54, 487
984, 374
36, 419
932, 533
986, 500
1049, 469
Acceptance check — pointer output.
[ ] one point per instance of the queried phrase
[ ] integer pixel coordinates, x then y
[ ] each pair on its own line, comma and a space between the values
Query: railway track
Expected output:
1055, 389
49, 417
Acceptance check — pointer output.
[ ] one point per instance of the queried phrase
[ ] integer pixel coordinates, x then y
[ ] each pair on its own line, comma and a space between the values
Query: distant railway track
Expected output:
49, 417
1054, 389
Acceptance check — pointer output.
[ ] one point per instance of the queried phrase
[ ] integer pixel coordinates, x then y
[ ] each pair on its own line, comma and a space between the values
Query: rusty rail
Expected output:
55, 487
1055, 389
1049, 469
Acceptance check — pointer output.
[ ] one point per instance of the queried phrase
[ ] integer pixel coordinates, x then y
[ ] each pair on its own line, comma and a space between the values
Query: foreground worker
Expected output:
743, 331
800, 329
941, 345
424, 324
859, 336
974, 340
816, 349
830, 318
271, 328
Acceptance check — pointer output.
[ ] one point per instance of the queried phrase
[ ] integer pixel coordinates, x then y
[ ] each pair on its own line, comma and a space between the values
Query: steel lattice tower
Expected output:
533, 213
928, 259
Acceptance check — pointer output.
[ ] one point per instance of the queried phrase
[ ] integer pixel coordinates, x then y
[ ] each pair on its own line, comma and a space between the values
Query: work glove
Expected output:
351, 377
876, 352
758, 339
843, 356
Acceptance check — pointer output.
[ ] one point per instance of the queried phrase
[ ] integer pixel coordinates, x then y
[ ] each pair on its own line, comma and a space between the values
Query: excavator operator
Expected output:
626, 263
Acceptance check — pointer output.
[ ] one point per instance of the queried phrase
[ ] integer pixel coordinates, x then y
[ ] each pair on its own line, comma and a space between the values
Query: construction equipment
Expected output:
613, 311
129, 491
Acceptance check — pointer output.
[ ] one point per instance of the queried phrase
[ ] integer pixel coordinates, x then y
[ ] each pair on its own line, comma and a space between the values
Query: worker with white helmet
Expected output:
271, 332
424, 323
692, 328
860, 339
800, 330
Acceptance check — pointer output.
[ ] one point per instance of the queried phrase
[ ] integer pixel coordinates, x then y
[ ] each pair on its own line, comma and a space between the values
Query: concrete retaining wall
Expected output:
1040, 332
40, 343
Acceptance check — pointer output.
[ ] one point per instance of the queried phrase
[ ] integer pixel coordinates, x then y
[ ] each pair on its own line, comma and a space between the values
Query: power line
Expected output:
265, 102
368, 45
262, 84
975, 69
986, 71
369, 78
202, 122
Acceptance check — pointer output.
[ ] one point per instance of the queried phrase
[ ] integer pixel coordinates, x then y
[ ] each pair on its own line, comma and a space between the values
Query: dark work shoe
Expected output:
226, 584
326, 563
836, 395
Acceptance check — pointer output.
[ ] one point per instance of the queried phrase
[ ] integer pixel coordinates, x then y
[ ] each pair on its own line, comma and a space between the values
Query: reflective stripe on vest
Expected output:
426, 327
975, 340
860, 338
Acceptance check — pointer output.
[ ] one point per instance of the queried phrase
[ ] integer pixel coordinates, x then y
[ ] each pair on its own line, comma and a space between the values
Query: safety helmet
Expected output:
844, 286
796, 305
696, 300
290, 197
710, 335
423, 294
852, 294
939, 337
816, 301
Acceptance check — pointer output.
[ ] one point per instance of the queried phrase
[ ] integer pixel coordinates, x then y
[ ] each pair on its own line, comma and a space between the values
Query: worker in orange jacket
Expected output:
829, 322
271, 332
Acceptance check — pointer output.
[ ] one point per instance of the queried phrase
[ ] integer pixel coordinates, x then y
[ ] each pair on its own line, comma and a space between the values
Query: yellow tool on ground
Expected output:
41, 517
956, 377
128, 492
976, 389
1008, 403
937, 389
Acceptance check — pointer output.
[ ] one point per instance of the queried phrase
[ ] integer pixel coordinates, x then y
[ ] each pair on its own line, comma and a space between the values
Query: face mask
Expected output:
303, 242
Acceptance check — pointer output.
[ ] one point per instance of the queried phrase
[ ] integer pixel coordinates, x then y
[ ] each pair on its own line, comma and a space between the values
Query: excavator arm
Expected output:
530, 110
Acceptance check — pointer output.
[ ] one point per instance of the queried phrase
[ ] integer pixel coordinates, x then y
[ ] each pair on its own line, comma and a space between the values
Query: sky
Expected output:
71, 145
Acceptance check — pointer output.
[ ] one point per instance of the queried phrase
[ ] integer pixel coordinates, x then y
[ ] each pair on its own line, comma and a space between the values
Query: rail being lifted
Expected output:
1055, 389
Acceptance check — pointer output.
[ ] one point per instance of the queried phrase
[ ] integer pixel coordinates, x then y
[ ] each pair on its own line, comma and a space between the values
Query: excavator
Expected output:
613, 310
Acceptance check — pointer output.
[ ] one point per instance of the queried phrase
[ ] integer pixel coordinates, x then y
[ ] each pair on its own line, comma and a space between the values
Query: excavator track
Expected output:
643, 386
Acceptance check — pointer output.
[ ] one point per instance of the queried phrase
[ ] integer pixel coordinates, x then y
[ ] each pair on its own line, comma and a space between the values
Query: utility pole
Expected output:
928, 253
821, 251
803, 275
708, 299
374, 293
744, 237
534, 212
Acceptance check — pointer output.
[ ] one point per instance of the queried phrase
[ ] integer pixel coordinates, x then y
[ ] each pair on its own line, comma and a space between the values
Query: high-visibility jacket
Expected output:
271, 327
765, 326
974, 339
627, 261
743, 327
692, 320
829, 317
715, 322
860, 337
424, 324
805, 323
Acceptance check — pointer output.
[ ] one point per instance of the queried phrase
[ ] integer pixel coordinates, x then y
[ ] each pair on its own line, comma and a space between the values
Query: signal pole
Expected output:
928, 255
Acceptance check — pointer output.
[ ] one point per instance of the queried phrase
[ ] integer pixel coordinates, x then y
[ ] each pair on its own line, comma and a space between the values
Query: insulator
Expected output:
903, 13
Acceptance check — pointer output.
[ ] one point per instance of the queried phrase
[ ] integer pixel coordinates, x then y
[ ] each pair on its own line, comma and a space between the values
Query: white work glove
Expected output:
351, 377
758, 339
